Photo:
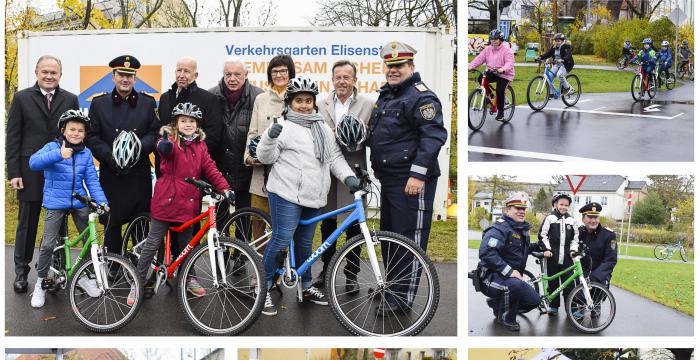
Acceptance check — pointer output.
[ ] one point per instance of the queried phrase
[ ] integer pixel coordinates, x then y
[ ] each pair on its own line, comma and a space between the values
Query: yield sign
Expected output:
379, 353
576, 182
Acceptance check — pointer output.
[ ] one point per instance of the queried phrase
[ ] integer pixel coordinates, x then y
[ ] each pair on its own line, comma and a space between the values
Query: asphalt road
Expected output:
161, 316
635, 316
601, 127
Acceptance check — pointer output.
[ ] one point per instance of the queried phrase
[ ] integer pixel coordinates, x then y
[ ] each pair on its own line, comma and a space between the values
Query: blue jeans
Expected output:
285, 226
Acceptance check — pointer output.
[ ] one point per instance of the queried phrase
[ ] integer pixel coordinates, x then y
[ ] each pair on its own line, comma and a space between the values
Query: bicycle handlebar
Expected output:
208, 189
100, 209
363, 175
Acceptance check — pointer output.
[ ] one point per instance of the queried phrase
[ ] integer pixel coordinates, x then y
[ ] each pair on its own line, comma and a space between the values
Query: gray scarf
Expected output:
321, 137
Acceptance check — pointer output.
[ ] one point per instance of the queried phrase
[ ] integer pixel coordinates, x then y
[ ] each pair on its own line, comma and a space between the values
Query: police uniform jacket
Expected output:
559, 234
30, 126
407, 131
601, 256
505, 247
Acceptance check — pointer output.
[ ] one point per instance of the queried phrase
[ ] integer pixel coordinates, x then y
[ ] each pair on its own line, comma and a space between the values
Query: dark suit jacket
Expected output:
30, 125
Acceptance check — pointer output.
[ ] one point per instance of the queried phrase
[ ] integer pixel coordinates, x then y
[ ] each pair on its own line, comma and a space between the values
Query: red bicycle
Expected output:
643, 83
229, 270
483, 100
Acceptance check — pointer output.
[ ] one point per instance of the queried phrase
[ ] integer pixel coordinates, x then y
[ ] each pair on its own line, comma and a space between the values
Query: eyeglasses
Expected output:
279, 72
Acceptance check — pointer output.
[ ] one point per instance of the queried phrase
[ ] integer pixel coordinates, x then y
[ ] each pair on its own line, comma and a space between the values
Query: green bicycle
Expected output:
106, 309
590, 307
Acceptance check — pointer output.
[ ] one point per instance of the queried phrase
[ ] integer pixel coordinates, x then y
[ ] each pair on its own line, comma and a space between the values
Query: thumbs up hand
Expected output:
275, 129
66, 153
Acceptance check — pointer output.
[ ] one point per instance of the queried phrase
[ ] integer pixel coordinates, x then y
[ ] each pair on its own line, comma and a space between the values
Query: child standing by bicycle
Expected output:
558, 234
302, 158
500, 61
68, 168
563, 58
183, 154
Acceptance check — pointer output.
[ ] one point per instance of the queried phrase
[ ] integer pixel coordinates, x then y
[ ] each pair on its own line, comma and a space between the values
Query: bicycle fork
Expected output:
372, 242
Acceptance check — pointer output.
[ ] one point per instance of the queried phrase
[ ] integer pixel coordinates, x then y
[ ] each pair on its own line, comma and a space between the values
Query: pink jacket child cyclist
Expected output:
500, 60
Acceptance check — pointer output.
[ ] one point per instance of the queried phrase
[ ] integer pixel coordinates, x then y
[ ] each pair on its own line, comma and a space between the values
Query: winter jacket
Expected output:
684, 53
505, 246
558, 233
174, 200
267, 105
496, 57
646, 56
236, 122
666, 56
63, 177
564, 54
601, 256
297, 175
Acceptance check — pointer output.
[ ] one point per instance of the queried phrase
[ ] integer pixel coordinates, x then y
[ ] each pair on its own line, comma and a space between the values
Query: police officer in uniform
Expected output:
127, 189
406, 134
601, 253
503, 253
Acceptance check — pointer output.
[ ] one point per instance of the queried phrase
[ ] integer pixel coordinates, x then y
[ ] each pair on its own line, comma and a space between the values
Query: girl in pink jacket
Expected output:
500, 61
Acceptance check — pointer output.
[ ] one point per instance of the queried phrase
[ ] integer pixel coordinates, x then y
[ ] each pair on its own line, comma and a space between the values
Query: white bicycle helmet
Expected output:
664, 43
73, 115
350, 132
253, 147
126, 149
187, 109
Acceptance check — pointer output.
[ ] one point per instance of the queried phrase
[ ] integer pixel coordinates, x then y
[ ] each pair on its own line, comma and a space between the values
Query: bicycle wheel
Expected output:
509, 106
596, 317
671, 81
531, 280
637, 88
402, 305
653, 86
477, 110
110, 310
225, 309
251, 226
537, 96
684, 254
572, 99
134, 237
691, 72
661, 252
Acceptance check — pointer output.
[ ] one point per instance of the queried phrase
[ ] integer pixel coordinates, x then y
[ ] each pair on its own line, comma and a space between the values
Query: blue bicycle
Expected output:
398, 288
541, 88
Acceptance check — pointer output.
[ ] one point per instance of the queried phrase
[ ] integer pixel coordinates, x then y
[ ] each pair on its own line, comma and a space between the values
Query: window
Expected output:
589, 199
603, 200
486, 203
576, 200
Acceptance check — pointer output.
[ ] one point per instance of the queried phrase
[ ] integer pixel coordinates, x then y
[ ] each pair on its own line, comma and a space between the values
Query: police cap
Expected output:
518, 200
592, 209
395, 53
126, 64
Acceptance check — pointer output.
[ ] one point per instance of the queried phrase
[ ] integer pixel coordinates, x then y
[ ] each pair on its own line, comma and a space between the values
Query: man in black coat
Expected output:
31, 123
128, 189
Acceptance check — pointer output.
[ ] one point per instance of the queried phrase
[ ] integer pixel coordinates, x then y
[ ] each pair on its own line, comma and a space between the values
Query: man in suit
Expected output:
31, 123
342, 101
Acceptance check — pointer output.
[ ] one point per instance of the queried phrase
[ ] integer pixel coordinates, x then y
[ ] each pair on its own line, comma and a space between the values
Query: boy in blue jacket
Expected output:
68, 168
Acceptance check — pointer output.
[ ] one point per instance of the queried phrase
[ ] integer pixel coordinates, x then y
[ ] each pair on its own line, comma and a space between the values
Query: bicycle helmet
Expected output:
253, 147
73, 115
350, 132
685, 42
496, 34
560, 36
647, 41
664, 43
558, 196
301, 84
187, 109
126, 149
627, 41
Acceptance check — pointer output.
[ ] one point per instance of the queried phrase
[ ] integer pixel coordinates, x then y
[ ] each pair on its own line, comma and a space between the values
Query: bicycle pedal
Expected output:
47, 283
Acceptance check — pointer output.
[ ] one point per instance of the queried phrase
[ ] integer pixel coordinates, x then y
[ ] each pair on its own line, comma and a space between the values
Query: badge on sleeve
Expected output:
613, 245
427, 111
493, 242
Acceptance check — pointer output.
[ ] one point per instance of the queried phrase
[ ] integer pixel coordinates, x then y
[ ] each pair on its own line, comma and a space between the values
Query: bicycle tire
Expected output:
509, 106
242, 292
636, 88
660, 252
653, 87
110, 301
479, 117
344, 304
575, 302
136, 233
58, 261
535, 105
571, 100
670, 81
244, 219
529, 278
684, 254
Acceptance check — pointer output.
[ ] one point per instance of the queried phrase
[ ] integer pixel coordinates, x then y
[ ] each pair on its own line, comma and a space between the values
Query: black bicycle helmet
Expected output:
560, 36
300, 84
187, 109
253, 147
73, 115
558, 196
685, 42
495, 34
350, 132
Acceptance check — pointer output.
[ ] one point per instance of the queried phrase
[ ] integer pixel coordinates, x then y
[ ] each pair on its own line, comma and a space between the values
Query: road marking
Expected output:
607, 113
652, 108
529, 154
602, 107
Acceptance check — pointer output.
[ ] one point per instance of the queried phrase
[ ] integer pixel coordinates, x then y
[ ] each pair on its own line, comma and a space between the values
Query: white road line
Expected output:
530, 154
607, 113
602, 107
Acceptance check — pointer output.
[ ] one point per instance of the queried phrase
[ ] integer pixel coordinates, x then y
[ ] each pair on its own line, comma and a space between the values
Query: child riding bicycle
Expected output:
646, 56
684, 54
563, 63
628, 50
183, 154
665, 56
499, 59
68, 168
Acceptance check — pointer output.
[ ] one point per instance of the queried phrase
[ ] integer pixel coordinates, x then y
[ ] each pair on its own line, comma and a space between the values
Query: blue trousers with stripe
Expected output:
410, 216
509, 295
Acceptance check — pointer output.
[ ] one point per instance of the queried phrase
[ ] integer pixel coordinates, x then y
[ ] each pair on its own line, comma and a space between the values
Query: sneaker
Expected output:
131, 299
269, 309
553, 310
89, 286
194, 288
510, 326
500, 117
38, 296
578, 314
315, 296
569, 91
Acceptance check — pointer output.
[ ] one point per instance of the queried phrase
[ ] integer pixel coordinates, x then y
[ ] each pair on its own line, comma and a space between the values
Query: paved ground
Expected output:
297, 320
601, 127
591, 67
635, 316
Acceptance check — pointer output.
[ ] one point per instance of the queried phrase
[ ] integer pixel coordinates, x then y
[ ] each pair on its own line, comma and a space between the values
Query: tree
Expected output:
493, 7
133, 14
541, 203
471, 190
643, 9
599, 354
16, 20
650, 210
672, 188
411, 13
686, 211
500, 186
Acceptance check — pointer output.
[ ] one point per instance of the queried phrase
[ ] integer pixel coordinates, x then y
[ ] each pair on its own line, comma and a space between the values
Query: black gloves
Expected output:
353, 183
275, 130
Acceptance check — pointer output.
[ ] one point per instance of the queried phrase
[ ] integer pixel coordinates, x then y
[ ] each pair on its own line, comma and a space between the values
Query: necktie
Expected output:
48, 100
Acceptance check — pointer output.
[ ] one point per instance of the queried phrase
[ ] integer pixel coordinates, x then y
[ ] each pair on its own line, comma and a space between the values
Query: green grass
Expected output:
662, 282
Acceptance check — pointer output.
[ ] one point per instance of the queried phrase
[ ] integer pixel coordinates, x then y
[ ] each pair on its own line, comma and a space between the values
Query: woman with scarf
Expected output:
302, 158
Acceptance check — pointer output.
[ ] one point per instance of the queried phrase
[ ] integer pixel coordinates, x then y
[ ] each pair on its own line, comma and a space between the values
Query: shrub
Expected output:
650, 210
608, 40
531, 217
475, 215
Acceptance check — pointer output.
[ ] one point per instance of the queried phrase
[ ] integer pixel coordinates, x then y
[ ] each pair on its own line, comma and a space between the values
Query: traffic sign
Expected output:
379, 353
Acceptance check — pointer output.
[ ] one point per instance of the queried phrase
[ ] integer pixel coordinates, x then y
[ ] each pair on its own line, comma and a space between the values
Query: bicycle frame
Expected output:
486, 92
577, 273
